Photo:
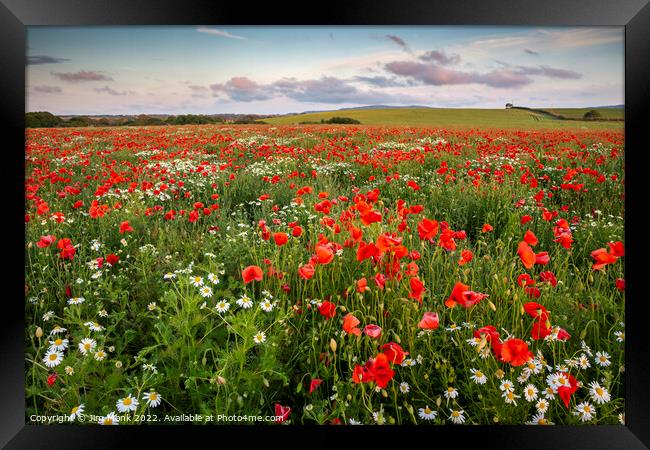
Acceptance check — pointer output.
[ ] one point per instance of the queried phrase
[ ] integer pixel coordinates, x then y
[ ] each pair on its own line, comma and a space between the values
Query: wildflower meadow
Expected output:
325, 274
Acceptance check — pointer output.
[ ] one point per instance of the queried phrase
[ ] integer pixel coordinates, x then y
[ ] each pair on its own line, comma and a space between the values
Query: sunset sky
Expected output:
274, 70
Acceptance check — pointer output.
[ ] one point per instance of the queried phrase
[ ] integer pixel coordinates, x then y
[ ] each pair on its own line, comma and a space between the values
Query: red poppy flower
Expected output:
281, 413
417, 289
363, 374
565, 392
252, 273
620, 284
394, 352
462, 296
280, 239
516, 352
297, 231
112, 259
530, 238
541, 329
306, 272
350, 325
536, 310
430, 321
487, 228
465, 257
327, 309
314, 384
548, 277
525, 219
602, 258
362, 286
374, 331
381, 370
428, 229
51, 378
46, 241
324, 253
616, 248
125, 227
380, 280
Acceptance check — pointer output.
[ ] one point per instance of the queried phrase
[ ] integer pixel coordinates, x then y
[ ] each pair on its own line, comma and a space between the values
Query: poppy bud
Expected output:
39, 332
333, 345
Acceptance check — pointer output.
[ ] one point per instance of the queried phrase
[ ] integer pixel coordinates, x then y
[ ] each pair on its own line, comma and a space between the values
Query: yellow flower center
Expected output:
108, 421
58, 341
479, 374
542, 421
53, 357
87, 345
127, 401
587, 409
599, 391
153, 396
455, 413
427, 411
74, 410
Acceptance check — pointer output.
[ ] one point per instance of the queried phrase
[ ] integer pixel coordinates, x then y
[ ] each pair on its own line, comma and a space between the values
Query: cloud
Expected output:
221, 33
48, 89
382, 81
439, 76
196, 88
530, 52
242, 89
440, 57
84, 75
543, 70
324, 90
399, 41
44, 59
112, 91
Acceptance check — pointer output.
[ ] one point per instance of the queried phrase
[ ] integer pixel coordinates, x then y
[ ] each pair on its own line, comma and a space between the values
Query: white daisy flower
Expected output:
169, 276
127, 404
110, 419
474, 342
427, 413
69, 370
404, 387
453, 327
478, 377
59, 344
76, 412
213, 278
354, 422
103, 313
549, 393
510, 397
94, 326
153, 399
245, 302
266, 305
542, 406
100, 355
87, 345
602, 359
150, 368
205, 291
457, 416
76, 300
583, 362
196, 281
530, 392
621, 418
53, 358
48, 315
151, 306
585, 411
620, 336
451, 393
538, 419
222, 306
598, 393
259, 337
507, 386
58, 330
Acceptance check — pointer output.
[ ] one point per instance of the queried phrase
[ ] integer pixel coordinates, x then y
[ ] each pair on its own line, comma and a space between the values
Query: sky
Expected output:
277, 70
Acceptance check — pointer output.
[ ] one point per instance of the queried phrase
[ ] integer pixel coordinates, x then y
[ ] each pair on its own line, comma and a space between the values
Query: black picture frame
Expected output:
634, 15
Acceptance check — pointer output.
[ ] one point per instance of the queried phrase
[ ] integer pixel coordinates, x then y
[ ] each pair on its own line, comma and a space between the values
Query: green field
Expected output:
577, 113
464, 118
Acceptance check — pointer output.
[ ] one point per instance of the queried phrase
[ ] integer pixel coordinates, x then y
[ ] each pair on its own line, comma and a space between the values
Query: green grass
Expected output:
461, 118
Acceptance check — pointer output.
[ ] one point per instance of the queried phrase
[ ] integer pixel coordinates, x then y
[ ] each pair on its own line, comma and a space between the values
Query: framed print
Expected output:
374, 219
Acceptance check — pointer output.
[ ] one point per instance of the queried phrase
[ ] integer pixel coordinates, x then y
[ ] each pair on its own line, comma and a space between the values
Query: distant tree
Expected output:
342, 120
592, 115
42, 119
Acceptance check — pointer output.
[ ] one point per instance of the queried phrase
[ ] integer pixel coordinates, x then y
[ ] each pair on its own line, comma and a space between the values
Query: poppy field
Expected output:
324, 274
